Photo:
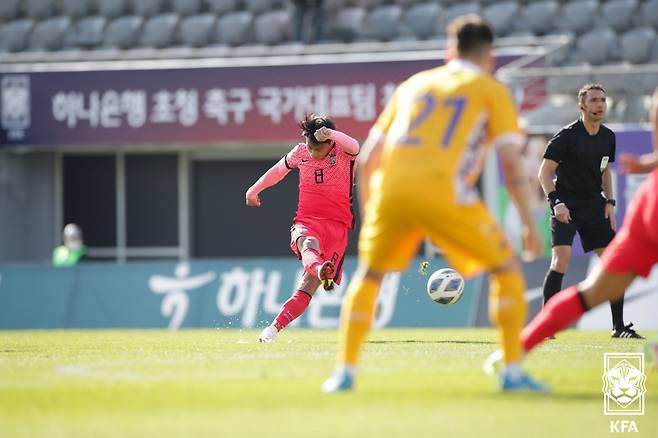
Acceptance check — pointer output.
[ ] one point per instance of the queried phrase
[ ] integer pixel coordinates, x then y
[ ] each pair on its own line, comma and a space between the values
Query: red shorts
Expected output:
635, 248
331, 235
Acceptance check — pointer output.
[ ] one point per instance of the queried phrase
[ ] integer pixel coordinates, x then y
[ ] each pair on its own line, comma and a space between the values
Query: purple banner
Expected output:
195, 105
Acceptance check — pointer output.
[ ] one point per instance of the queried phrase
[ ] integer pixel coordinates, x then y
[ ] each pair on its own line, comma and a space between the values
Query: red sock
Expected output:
559, 312
311, 260
291, 309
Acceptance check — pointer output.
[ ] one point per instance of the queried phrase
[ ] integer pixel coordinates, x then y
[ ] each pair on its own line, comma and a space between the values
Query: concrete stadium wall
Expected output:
26, 206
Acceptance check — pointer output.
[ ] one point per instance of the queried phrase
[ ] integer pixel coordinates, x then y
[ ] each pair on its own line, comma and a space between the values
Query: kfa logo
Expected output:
15, 104
623, 384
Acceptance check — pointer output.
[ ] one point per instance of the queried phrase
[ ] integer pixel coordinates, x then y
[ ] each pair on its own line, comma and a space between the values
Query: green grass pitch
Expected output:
221, 383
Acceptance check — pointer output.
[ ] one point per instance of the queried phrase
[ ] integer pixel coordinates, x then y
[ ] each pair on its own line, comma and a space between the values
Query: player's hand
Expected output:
533, 244
253, 200
610, 214
630, 163
323, 134
562, 213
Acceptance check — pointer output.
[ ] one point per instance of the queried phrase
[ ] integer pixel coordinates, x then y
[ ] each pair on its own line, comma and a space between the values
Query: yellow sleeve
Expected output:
503, 123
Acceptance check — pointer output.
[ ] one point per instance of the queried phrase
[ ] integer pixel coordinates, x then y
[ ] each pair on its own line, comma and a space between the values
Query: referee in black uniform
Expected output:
580, 196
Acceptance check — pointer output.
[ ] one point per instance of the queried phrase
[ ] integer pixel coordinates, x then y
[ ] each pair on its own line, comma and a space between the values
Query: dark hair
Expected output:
311, 123
471, 34
582, 93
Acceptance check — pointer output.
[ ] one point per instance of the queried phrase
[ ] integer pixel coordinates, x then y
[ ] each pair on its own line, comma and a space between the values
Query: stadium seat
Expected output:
123, 32
186, 7
348, 24
259, 6
49, 34
619, 14
382, 22
561, 54
636, 45
39, 9
234, 28
579, 16
220, 7
598, 45
541, 16
453, 12
196, 30
422, 19
111, 8
86, 33
148, 8
649, 13
76, 8
272, 27
9, 9
159, 31
14, 35
502, 16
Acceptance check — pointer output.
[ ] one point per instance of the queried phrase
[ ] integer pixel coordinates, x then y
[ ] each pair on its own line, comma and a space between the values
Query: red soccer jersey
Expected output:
325, 186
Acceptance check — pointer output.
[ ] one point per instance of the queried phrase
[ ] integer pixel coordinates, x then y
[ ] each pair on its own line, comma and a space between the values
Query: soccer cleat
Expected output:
268, 335
626, 332
326, 275
340, 381
522, 383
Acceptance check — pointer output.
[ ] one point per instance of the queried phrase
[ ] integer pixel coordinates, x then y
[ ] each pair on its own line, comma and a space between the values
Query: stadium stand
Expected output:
348, 21
595, 33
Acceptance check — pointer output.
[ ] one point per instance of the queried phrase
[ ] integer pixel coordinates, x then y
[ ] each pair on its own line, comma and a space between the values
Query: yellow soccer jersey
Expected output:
435, 129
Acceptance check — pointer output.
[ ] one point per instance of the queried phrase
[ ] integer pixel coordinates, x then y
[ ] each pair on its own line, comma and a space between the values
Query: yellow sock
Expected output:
507, 310
355, 318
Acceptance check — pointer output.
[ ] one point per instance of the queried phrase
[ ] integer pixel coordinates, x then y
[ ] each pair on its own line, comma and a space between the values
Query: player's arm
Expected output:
275, 174
546, 173
503, 132
606, 185
346, 143
647, 162
518, 187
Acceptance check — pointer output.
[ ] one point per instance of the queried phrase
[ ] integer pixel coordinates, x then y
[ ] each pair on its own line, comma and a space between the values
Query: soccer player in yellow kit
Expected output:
416, 178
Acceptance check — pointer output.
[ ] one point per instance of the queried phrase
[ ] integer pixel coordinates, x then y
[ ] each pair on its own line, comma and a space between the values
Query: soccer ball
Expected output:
445, 286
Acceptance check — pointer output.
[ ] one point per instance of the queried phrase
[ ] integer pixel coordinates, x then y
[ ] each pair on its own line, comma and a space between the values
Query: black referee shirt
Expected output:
581, 159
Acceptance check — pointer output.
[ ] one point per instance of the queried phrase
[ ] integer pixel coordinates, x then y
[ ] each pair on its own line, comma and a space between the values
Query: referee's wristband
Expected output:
553, 200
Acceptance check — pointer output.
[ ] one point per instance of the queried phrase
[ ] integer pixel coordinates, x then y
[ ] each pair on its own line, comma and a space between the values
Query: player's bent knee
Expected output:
309, 242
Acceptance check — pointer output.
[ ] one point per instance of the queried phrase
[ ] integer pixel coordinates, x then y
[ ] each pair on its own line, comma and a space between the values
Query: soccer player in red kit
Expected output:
633, 252
324, 213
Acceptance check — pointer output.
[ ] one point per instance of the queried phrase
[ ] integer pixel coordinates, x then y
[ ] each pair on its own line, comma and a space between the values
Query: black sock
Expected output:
552, 284
617, 308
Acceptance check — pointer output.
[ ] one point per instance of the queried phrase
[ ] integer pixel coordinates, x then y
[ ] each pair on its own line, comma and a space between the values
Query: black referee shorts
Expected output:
588, 220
